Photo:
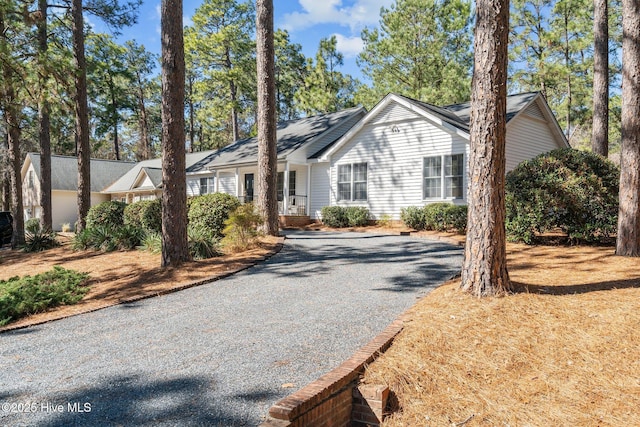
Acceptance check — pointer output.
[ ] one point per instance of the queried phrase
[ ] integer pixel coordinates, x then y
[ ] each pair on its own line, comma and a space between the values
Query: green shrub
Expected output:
456, 218
573, 190
357, 216
334, 216
202, 243
384, 220
210, 211
241, 228
36, 239
340, 216
414, 217
436, 216
32, 225
145, 214
21, 297
107, 214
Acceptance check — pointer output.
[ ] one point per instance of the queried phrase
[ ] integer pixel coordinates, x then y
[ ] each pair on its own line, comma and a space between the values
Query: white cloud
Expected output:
349, 46
358, 14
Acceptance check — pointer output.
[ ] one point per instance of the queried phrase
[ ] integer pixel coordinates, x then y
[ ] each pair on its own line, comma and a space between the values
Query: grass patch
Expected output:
563, 350
22, 296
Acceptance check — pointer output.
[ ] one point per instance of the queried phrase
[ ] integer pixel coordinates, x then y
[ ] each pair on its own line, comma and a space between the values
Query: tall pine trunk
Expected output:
600, 137
484, 271
44, 121
628, 242
175, 249
267, 139
12, 126
83, 148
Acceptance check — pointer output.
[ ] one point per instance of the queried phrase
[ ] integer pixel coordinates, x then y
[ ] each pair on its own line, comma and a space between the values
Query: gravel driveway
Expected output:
221, 353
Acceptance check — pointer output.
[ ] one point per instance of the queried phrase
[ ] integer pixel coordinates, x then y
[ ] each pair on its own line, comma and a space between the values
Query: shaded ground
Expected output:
118, 277
563, 350
220, 354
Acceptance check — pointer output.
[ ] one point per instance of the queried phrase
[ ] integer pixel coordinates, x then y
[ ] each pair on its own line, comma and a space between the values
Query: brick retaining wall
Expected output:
335, 400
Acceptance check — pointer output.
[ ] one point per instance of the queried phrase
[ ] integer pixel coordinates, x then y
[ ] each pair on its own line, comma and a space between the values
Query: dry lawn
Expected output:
118, 277
564, 350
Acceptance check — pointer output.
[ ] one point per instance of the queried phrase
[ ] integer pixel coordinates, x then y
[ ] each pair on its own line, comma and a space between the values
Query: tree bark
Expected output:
600, 137
44, 122
233, 92
267, 140
484, 271
628, 240
175, 249
82, 116
12, 125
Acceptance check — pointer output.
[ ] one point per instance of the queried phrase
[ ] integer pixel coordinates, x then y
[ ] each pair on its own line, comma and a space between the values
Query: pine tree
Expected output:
175, 248
484, 271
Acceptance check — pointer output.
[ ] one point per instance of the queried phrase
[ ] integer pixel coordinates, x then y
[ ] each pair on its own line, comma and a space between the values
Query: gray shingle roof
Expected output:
292, 135
64, 172
459, 115
195, 162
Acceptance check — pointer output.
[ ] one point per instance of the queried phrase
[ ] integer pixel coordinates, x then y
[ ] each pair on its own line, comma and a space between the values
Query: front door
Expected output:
248, 187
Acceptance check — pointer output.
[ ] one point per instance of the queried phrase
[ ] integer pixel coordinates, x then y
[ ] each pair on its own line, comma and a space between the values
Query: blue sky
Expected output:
306, 20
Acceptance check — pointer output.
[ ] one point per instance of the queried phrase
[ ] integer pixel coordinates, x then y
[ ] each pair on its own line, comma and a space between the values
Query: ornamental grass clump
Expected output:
37, 239
241, 229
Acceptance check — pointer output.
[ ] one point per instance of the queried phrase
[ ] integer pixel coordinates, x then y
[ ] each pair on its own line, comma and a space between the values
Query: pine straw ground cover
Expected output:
121, 276
564, 350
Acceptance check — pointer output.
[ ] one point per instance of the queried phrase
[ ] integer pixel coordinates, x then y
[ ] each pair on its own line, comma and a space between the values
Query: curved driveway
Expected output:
221, 353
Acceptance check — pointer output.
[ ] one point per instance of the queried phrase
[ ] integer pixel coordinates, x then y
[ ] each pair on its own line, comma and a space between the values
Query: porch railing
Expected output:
296, 204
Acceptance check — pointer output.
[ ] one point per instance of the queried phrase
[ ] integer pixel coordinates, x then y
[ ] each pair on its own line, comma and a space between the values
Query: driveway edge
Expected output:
181, 287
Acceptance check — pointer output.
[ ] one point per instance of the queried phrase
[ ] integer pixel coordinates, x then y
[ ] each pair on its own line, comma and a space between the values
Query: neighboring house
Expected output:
64, 186
409, 153
144, 180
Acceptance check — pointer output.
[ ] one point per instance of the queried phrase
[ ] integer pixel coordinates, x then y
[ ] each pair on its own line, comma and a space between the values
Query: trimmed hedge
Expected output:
145, 214
107, 214
436, 216
210, 211
339, 216
573, 190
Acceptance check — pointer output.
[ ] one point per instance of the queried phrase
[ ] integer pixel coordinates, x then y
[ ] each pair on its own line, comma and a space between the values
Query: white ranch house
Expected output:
401, 153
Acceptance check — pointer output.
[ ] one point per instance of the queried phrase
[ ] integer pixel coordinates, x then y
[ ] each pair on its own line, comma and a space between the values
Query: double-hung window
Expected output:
207, 185
352, 182
443, 177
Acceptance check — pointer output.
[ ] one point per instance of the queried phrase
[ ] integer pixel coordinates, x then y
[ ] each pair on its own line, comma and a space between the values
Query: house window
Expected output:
206, 185
31, 179
280, 185
352, 182
443, 182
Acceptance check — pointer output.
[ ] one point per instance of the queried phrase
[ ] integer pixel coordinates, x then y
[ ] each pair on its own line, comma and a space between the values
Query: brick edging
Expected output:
334, 382
251, 263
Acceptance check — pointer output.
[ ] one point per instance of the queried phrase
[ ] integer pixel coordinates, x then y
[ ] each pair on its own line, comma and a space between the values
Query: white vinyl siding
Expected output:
320, 189
193, 187
394, 145
526, 138
227, 183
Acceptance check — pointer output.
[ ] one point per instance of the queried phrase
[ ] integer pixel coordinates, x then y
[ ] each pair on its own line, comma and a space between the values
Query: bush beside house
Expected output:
340, 217
436, 216
575, 191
